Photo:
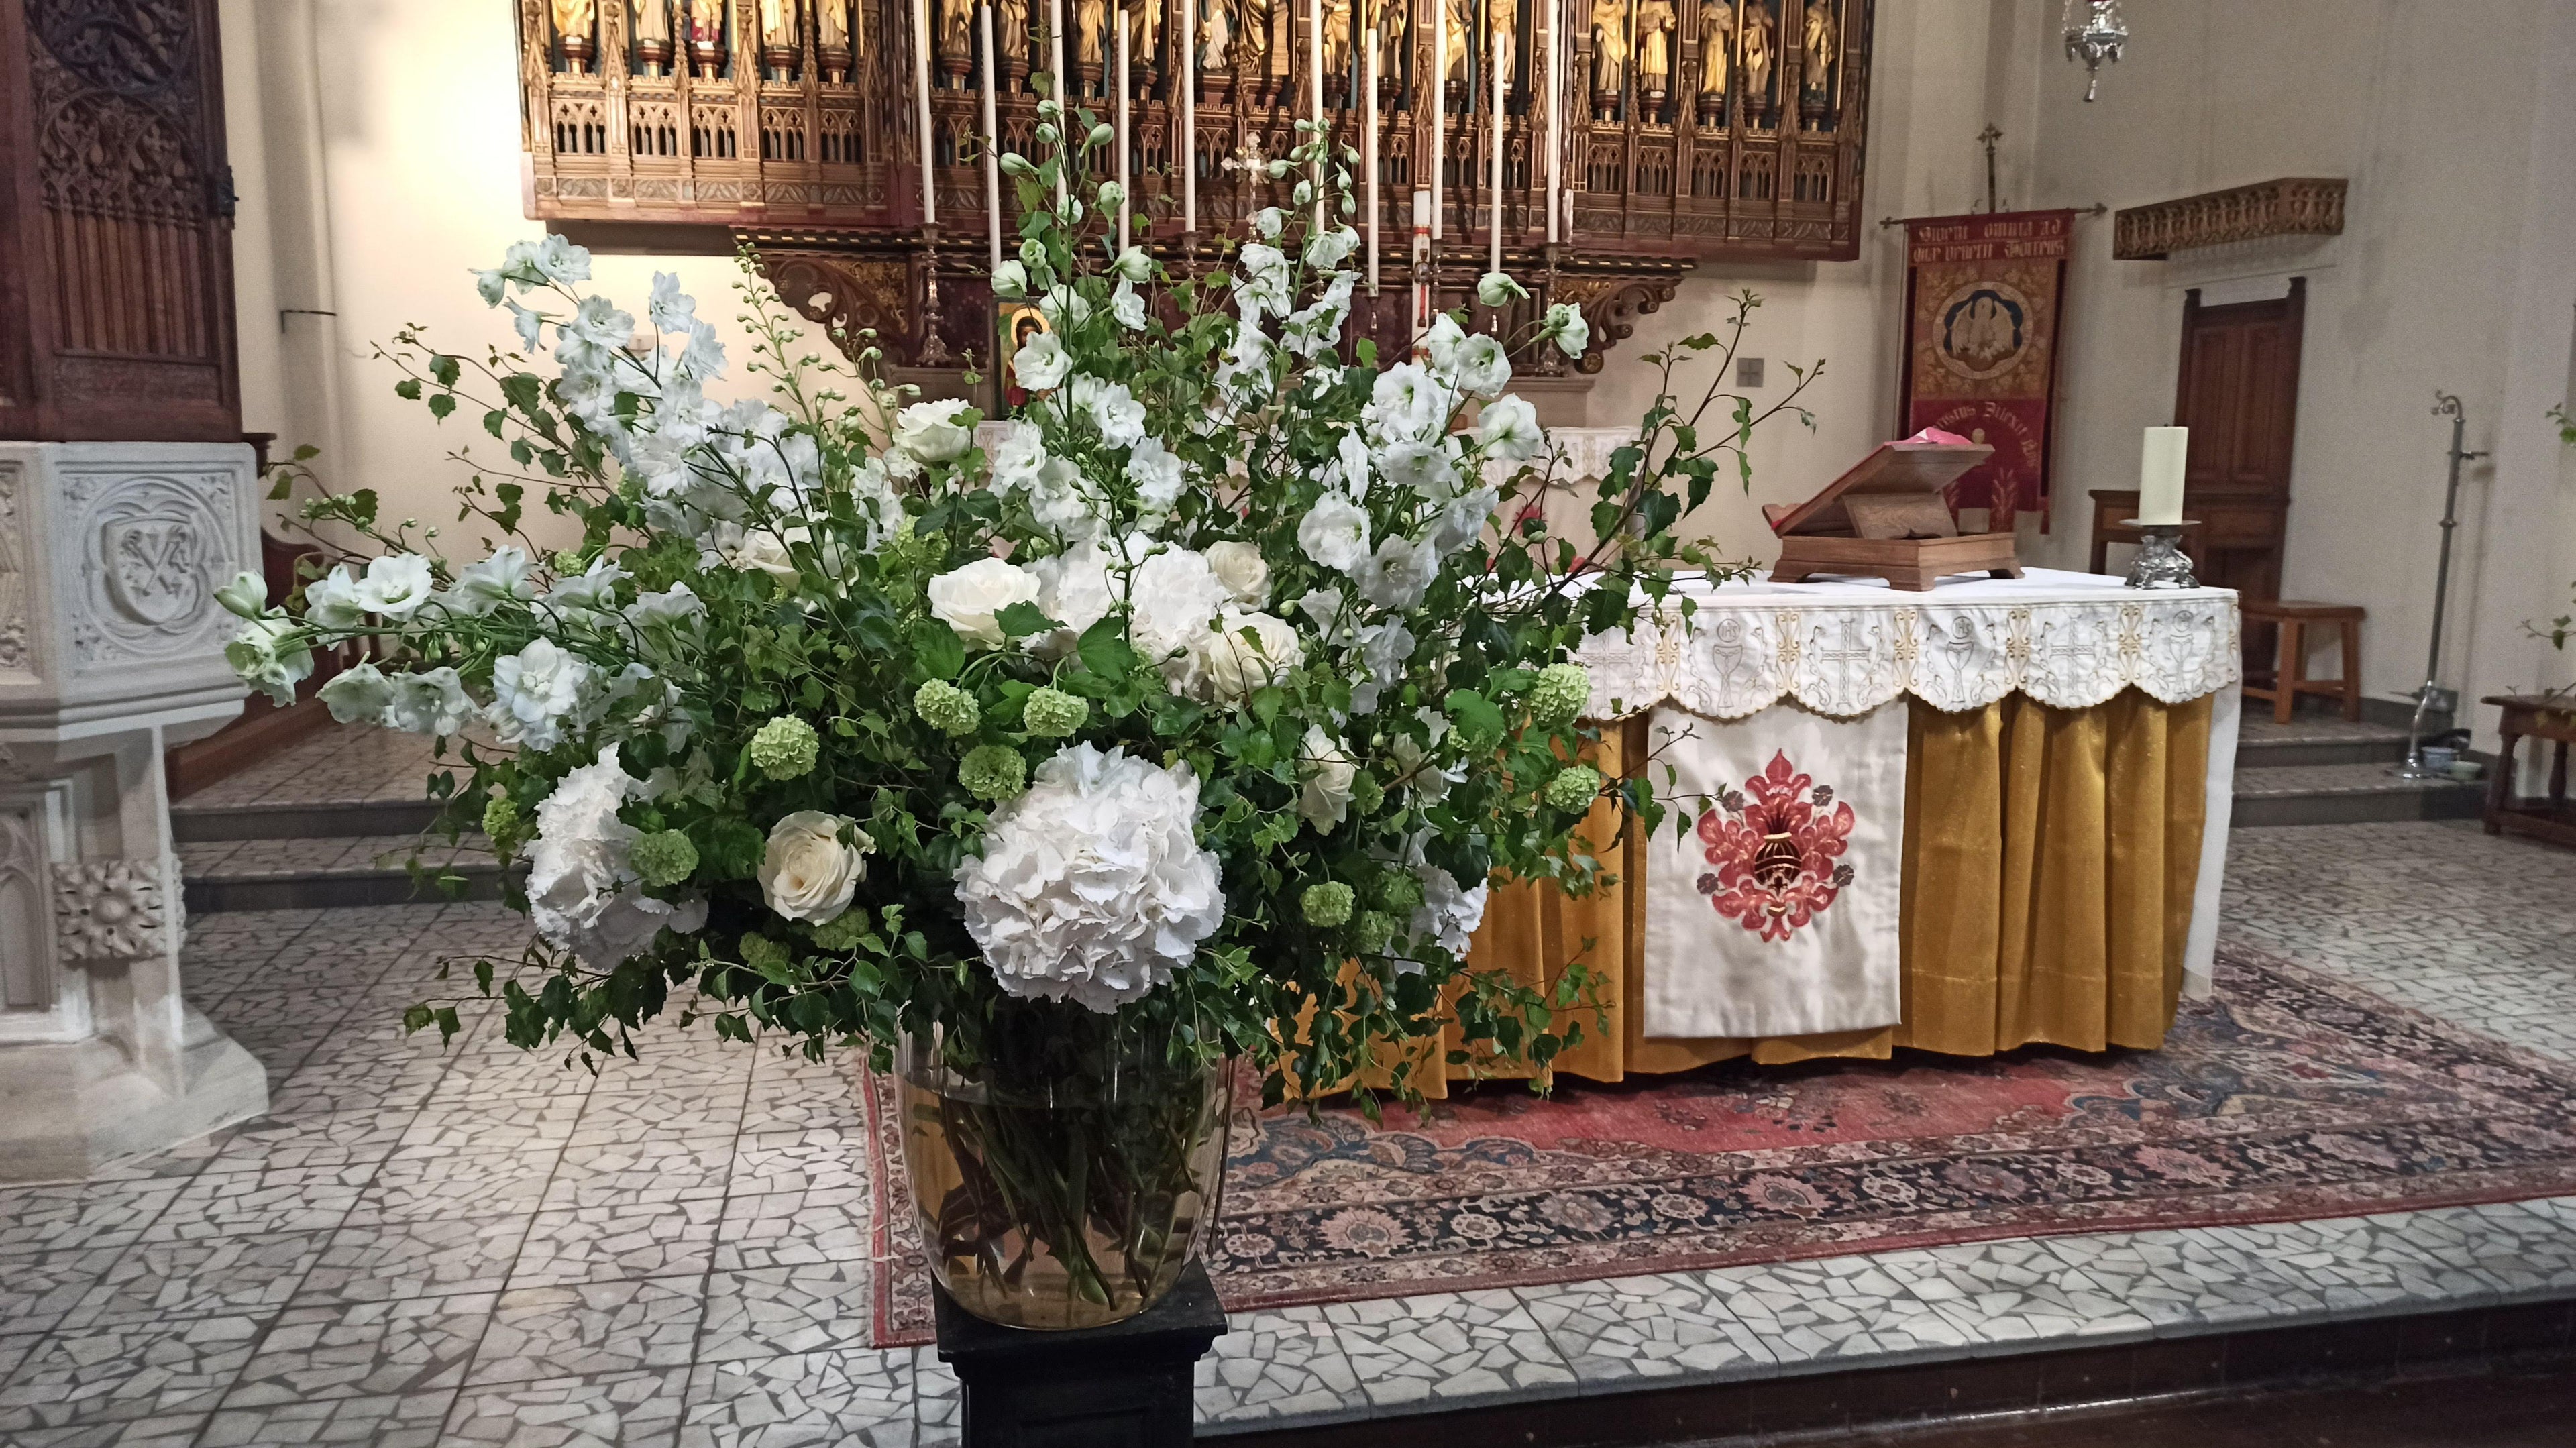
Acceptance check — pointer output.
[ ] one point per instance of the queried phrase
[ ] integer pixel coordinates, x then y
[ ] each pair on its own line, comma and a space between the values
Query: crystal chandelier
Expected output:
2098, 39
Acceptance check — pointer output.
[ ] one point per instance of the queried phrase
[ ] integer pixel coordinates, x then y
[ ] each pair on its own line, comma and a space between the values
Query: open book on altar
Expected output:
1886, 518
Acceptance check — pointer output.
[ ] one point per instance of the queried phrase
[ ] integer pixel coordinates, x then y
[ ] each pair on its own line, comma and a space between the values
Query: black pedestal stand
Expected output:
1122, 1386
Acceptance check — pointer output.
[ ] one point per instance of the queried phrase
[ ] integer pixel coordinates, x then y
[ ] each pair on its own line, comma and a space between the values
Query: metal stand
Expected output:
2160, 563
1127, 1385
2433, 697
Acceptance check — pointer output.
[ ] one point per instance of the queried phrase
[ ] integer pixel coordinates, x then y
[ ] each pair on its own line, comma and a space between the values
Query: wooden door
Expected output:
2239, 394
116, 288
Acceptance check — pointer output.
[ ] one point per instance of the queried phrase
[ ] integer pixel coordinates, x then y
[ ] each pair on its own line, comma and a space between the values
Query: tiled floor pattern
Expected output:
475, 1246
284, 859
335, 766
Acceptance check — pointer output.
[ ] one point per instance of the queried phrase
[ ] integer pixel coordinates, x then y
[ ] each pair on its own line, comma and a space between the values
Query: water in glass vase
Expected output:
1063, 1163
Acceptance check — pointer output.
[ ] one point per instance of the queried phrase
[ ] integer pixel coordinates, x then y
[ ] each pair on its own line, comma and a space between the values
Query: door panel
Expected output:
2238, 392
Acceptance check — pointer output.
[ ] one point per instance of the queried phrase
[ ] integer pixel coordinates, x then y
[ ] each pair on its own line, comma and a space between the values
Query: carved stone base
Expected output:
75, 1108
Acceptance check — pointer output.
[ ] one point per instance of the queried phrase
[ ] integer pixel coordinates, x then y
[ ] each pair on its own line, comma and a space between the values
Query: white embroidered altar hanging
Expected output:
1777, 916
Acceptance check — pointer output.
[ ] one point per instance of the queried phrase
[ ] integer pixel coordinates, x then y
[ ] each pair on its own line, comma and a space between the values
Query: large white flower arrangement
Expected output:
1215, 689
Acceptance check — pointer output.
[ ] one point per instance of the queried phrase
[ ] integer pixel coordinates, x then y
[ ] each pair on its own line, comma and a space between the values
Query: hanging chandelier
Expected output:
2098, 39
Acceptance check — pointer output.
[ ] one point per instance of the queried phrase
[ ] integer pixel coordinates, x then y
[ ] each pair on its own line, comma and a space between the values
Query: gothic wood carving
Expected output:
2291, 206
116, 313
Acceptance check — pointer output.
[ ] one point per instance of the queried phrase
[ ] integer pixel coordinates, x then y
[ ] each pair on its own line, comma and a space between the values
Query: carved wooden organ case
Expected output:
1693, 130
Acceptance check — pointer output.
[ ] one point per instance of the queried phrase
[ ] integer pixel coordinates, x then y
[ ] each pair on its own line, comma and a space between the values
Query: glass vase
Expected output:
1063, 1162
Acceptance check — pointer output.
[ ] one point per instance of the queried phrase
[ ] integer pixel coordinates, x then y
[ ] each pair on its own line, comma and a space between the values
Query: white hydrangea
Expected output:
1092, 886
583, 892
1171, 597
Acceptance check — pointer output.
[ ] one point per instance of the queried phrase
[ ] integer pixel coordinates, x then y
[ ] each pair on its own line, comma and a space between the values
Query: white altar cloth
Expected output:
1844, 647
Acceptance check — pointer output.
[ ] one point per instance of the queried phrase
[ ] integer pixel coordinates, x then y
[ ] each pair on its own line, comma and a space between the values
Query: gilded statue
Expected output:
1458, 20
778, 23
1090, 29
1716, 45
1391, 19
1758, 52
1655, 24
1011, 31
575, 18
956, 32
1144, 20
1336, 17
706, 21
1819, 41
653, 21
832, 24
1504, 34
1252, 26
1216, 35
1609, 46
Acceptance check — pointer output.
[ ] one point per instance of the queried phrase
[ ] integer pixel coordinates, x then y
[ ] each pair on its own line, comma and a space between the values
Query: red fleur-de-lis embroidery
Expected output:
1775, 851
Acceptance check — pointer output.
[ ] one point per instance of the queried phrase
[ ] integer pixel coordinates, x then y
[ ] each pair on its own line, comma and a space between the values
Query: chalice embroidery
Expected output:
1774, 850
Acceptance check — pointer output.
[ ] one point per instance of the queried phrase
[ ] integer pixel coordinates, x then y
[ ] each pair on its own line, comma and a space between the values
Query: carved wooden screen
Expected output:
116, 313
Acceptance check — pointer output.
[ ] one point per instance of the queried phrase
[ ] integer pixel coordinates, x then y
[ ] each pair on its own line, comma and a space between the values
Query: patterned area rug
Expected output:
2289, 1096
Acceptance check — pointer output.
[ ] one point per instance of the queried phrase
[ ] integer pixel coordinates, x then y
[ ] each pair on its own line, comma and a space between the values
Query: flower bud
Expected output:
246, 595
1010, 280
1496, 289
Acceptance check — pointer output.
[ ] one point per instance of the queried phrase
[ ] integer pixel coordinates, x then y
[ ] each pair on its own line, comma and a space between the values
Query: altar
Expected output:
1962, 821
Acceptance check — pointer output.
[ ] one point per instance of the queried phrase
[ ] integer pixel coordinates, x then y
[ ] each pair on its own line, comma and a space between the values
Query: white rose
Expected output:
934, 432
813, 865
1335, 532
1324, 799
967, 599
1508, 429
358, 694
1041, 363
1240, 567
1232, 666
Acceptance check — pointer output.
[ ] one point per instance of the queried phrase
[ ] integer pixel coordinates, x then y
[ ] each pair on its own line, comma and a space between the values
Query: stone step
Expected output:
2339, 794
333, 872
192, 824
2261, 744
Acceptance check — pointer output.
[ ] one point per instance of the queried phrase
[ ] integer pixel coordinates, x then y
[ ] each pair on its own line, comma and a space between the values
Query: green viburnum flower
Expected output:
1366, 794
1574, 788
945, 707
842, 931
785, 748
1373, 932
665, 858
762, 953
502, 821
1558, 697
994, 772
1054, 714
1328, 903
1397, 891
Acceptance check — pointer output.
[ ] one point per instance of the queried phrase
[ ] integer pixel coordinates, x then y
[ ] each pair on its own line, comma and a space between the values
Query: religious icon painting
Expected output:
1775, 914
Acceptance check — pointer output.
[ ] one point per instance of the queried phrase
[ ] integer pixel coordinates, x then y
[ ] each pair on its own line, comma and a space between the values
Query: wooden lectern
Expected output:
1886, 519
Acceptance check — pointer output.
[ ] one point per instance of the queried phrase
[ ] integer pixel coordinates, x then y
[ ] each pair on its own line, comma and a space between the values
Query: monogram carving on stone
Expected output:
108, 910
152, 567
156, 548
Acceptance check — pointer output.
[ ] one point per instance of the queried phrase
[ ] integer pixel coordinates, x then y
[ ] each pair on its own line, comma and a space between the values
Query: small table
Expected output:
2533, 717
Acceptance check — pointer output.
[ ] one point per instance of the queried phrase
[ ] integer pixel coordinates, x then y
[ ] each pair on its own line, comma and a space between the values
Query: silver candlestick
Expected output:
2160, 563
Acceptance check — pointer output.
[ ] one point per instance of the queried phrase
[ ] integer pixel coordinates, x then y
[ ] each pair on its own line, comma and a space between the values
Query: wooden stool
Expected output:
2290, 679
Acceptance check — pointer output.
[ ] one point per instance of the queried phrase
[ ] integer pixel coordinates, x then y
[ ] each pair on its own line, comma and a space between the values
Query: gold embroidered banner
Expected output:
1983, 299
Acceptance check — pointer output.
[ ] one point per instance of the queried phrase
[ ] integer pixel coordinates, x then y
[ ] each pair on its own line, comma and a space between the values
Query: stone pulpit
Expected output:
111, 652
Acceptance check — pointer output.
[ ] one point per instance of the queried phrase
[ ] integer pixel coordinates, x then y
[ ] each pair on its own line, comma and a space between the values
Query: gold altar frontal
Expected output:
2050, 861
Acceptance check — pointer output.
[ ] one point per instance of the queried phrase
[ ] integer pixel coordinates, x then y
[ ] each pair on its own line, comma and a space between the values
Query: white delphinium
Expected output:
1415, 766
1041, 363
968, 599
1127, 306
1349, 470
1317, 327
483, 587
1508, 429
583, 892
1326, 250
331, 601
1462, 521
358, 694
1439, 345
1112, 409
1063, 307
1335, 532
1384, 648
536, 694
1074, 589
1424, 467
1565, 327
395, 585
1010, 281
1243, 653
759, 549
1398, 574
669, 308
1262, 287
932, 432
587, 597
1326, 776
430, 702
1482, 370
1408, 404
1497, 289
1157, 475
1092, 885
1448, 916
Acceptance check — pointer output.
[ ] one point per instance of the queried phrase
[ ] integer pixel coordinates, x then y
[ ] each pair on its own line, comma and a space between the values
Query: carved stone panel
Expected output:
154, 547
17, 592
108, 910
26, 934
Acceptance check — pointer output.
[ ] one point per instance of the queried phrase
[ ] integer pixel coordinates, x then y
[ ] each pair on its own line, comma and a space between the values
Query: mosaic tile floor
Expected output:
334, 766
473, 1246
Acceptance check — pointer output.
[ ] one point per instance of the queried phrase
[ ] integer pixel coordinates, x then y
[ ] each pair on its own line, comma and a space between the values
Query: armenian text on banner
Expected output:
1776, 915
1983, 299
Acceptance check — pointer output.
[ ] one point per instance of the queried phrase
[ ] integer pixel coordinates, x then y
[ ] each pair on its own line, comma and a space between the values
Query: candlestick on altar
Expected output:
1189, 118
1555, 128
1315, 97
1423, 215
1064, 107
1439, 112
1368, 156
1124, 73
992, 141
921, 89
1494, 171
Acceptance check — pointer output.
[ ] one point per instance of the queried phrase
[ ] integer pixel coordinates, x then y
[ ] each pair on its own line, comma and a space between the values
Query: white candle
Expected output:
1189, 118
1368, 154
1439, 107
1494, 172
1315, 89
1064, 109
1555, 126
1125, 70
992, 141
2160, 467
921, 88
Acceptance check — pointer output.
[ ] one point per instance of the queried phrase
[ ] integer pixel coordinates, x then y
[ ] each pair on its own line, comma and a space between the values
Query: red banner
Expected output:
1983, 298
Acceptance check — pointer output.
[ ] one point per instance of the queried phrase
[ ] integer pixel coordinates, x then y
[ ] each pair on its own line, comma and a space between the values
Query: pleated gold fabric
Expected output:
2050, 858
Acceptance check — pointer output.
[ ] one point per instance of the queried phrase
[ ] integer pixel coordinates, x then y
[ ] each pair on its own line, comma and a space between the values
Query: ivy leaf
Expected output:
1104, 650
937, 649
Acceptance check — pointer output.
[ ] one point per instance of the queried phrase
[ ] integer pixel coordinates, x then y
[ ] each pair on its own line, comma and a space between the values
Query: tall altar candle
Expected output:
992, 140
2160, 466
1126, 70
1189, 118
1439, 106
1315, 95
1555, 127
1368, 153
1494, 172
921, 89
1063, 100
